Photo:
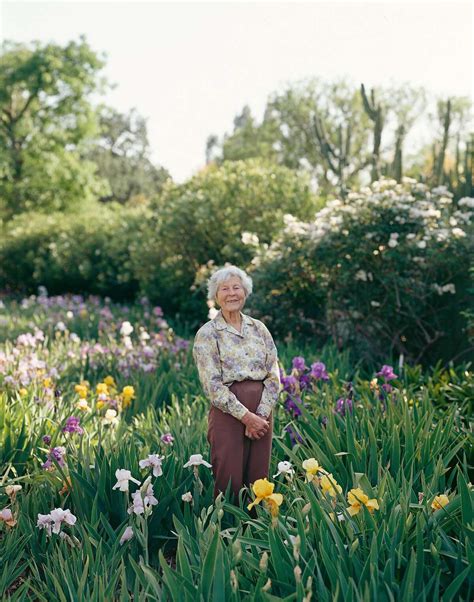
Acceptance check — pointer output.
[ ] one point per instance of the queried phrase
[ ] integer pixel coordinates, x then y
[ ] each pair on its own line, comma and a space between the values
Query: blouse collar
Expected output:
221, 324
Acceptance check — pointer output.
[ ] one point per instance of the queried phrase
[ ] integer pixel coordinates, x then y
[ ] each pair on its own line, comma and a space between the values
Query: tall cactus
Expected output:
439, 168
397, 168
375, 113
337, 158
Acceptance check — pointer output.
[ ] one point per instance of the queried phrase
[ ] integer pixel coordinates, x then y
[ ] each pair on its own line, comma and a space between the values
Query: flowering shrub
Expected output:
384, 272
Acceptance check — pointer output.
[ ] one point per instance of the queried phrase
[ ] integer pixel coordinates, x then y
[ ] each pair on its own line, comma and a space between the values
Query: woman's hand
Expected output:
256, 426
252, 434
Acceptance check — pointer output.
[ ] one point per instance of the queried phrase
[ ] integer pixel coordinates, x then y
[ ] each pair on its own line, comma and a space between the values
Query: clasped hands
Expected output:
255, 426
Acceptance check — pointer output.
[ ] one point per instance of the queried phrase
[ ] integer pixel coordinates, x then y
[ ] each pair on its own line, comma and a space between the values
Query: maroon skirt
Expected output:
235, 458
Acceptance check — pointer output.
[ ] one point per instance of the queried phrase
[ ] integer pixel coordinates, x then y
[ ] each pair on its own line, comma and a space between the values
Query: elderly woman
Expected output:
238, 369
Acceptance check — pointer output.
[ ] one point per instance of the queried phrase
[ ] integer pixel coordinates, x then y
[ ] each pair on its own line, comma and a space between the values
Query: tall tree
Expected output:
122, 155
46, 121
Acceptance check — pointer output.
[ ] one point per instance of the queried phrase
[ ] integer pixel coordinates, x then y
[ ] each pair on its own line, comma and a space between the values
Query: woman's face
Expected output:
230, 294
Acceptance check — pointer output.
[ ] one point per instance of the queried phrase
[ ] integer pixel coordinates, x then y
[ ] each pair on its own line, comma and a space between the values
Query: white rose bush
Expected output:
385, 272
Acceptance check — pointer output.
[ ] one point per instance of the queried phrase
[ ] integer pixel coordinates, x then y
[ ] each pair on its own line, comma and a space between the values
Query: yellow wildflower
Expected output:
312, 468
23, 392
100, 404
128, 393
263, 490
109, 380
329, 485
357, 498
102, 389
47, 383
440, 501
81, 390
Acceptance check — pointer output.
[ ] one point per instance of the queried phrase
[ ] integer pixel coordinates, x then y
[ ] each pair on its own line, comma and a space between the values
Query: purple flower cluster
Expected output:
345, 403
342, 405
387, 373
55, 454
72, 426
299, 380
143, 356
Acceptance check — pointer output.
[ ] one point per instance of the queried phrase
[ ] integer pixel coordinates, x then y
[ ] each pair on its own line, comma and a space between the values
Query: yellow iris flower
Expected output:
102, 388
81, 390
312, 468
440, 501
329, 485
357, 498
128, 393
263, 490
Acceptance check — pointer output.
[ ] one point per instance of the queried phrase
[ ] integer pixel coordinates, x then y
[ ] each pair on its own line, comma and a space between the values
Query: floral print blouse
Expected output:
224, 355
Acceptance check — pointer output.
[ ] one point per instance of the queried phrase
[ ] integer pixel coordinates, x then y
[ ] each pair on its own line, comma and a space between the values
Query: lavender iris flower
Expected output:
387, 373
318, 371
72, 426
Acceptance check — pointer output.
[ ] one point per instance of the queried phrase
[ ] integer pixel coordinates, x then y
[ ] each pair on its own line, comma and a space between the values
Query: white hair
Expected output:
224, 274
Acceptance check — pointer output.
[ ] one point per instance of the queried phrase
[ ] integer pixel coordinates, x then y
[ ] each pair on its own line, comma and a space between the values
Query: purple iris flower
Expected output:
293, 405
343, 404
387, 372
298, 363
387, 388
167, 438
47, 439
318, 371
305, 380
289, 383
72, 426
56, 453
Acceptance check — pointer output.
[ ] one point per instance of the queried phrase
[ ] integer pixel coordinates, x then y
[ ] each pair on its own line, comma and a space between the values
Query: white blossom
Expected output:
285, 468
110, 418
127, 535
154, 461
248, 238
53, 521
126, 329
196, 460
123, 477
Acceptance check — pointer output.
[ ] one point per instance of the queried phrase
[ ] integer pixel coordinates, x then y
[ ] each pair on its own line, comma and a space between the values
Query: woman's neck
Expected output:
232, 317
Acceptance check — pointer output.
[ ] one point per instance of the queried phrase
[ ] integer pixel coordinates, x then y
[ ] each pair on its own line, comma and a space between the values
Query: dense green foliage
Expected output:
116, 251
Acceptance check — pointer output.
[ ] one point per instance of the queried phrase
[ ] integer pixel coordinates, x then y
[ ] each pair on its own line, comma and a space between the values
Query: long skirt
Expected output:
235, 457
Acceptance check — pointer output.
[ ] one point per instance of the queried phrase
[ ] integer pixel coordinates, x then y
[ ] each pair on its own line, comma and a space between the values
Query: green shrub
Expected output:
88, 251
204, 219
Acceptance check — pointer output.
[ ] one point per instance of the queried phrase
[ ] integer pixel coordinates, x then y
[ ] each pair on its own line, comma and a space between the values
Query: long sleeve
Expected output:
272, 380
206, 356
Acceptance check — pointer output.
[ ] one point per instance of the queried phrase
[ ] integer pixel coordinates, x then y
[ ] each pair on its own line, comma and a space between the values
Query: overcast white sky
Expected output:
190, 67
